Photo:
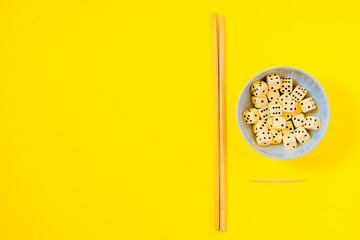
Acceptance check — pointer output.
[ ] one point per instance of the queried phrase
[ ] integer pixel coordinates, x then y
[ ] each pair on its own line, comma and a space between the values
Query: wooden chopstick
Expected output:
218, 39
217, 126
222, 123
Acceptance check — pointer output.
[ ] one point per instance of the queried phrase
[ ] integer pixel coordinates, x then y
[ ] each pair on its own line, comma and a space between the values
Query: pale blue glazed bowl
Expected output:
322, 111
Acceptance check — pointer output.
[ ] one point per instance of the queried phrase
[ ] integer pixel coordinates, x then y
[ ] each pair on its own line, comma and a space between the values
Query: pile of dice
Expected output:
278, 113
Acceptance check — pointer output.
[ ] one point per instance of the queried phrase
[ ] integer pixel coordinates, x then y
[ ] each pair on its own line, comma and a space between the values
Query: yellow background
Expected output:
107, 120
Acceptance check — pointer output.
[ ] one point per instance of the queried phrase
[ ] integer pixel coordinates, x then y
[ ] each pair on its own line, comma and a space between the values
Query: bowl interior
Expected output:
314, 90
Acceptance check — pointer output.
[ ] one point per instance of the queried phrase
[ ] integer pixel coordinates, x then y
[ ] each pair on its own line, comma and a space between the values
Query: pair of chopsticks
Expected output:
218, 38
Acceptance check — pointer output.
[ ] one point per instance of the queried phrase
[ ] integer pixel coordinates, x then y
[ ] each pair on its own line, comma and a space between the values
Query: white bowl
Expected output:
314, 90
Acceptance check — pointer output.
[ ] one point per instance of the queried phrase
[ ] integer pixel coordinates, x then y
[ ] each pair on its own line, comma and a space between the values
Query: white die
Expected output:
259, 88
259, 102
276, 136
275, 110
274, 102
299, 93
312, 123
286, 115
286, 85
289, 127
284, 97
263, 138
289, 106
308, 104
251, 116
297, 109
276, 123
289, 141
273, 81
261, 125
298, 120
302, 135
264, 112
273, 95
